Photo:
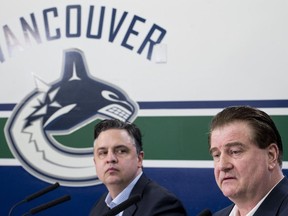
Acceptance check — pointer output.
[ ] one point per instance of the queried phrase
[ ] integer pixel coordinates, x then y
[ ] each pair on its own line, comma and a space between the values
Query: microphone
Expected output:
48, 205
205, 212
41, 192
35, 195
122, 206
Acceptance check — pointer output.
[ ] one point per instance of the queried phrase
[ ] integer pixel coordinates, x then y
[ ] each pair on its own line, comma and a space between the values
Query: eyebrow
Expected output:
114, 147
228, 145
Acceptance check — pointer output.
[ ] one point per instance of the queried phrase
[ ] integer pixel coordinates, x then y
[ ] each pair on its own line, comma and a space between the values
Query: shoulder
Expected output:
156, 200
282, 193
283, 184
276, 203
148, 187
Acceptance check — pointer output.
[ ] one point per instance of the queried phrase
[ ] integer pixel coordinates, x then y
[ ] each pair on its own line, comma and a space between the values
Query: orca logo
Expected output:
60, 108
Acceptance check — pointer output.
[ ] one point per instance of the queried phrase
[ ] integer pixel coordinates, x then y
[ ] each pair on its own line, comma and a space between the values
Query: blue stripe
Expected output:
7, 107
212, 104
195, 104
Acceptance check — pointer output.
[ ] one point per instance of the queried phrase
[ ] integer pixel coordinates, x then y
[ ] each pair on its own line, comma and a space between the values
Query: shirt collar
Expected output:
111, 203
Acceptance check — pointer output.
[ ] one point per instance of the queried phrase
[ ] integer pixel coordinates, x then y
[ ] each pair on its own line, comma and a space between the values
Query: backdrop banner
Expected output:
167, 66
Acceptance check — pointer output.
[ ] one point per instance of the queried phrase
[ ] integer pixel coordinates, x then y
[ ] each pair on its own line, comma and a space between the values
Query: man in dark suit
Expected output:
247, 151
118, 157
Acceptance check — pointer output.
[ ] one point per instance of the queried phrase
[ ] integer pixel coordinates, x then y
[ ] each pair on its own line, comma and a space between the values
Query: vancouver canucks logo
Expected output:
70, 103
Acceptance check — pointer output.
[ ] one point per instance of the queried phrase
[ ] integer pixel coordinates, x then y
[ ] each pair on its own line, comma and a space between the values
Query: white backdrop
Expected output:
213, 50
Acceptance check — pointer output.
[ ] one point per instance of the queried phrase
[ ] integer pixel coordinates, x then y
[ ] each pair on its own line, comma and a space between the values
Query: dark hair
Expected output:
265, 131
131, 128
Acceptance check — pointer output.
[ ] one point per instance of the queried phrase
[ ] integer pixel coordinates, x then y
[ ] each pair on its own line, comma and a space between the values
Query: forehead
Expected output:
235, 132
113, 137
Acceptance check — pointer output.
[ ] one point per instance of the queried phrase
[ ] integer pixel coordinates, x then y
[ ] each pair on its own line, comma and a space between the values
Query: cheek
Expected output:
98, 166
216, 169
131, 164
216, 173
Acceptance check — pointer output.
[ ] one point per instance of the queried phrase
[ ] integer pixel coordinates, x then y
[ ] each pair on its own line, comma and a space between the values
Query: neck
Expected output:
247, 203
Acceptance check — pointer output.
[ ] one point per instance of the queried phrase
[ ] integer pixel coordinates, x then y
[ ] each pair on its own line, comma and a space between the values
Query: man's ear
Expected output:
141, 157
273, 154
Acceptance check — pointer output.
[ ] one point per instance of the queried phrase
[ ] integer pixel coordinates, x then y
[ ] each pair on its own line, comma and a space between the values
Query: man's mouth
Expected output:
111, 169
226, 179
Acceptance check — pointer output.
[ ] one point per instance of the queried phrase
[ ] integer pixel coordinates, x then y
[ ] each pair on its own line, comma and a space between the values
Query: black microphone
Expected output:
122, 206
35, 195
41, 192
48, 205
205, 212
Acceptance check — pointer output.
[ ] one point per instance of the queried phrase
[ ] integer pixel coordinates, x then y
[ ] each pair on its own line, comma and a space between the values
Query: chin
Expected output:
230, 193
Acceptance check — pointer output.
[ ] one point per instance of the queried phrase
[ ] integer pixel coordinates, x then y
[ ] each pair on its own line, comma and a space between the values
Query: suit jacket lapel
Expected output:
270, 206
138, 189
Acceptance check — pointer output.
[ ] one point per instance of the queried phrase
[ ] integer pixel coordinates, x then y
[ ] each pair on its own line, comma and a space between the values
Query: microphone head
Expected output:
205, 212
42, 192
50, 204
35, 195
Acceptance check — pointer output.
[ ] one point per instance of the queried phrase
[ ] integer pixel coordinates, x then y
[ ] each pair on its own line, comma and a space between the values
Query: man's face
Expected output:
116, 159
240, 166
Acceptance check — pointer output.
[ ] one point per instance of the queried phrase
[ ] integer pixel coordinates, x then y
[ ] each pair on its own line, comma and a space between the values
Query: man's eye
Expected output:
234, 152
121, 151
215, 156
102, 153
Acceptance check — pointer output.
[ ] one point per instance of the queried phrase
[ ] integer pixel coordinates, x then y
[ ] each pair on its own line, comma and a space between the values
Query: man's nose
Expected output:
225, 163
111, 157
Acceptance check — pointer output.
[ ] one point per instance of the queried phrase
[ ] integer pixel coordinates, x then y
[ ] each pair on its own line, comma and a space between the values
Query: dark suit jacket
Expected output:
275, 204
155, 200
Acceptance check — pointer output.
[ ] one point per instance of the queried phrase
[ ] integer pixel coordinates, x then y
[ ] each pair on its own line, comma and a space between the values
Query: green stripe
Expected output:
4, 149
175, 138
167, 138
